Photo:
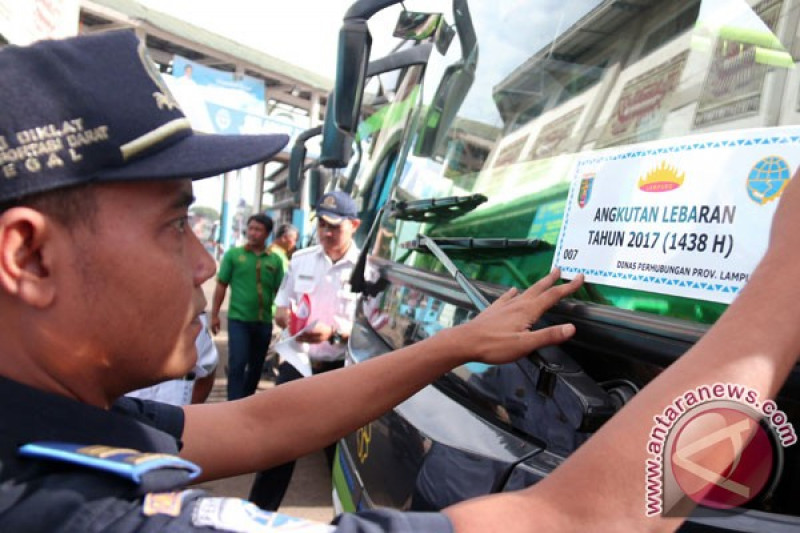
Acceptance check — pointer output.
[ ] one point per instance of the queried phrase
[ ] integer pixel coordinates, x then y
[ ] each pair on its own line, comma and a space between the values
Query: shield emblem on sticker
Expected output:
585, 192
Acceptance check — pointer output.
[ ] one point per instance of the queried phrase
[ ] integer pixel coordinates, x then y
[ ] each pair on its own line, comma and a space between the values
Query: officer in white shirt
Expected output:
317, 284
315, 294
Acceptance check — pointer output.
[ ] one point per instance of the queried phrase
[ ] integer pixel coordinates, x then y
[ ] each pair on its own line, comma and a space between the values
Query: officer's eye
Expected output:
181, 223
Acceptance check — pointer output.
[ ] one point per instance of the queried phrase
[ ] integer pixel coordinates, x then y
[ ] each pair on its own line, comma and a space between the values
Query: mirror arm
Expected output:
364, 9
416, 55
298, 156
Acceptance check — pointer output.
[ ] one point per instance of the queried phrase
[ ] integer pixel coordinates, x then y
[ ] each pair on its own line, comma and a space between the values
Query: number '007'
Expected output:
570, 254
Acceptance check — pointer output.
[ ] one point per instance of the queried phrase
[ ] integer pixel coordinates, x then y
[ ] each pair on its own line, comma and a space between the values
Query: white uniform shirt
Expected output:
179, 391
328, 287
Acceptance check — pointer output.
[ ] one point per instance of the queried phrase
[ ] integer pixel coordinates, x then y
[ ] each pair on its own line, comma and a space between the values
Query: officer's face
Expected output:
137, 286
335, 239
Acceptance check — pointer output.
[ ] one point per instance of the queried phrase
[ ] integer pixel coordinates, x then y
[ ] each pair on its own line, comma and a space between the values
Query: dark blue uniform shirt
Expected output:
68, 466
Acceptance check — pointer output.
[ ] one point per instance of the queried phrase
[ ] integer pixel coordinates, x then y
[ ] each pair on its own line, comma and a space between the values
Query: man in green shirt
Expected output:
254, 275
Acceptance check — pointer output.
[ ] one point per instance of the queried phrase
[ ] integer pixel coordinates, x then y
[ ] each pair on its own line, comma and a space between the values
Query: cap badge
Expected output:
165, 101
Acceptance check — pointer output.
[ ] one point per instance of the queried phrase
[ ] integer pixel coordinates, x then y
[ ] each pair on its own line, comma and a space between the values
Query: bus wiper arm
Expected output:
476, 296
436, 209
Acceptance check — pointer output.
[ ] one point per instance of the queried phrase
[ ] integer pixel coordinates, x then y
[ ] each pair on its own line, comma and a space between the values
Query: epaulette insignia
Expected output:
124, 462
166, 503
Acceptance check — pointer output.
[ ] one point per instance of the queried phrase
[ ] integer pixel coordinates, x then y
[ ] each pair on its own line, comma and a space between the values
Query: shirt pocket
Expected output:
304, 284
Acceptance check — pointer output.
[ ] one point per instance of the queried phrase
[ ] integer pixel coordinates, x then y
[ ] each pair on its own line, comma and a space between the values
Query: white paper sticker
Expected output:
687, 217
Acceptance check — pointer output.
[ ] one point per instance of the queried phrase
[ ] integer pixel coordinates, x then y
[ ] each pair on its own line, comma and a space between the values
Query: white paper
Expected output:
292, 351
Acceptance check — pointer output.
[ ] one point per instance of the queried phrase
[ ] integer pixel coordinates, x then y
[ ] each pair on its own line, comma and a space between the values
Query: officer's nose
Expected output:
203, 264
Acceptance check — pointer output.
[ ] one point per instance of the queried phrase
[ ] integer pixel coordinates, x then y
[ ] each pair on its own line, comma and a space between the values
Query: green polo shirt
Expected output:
253, 280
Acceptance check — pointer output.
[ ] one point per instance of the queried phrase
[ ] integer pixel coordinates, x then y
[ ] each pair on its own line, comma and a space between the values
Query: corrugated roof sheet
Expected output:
206, 38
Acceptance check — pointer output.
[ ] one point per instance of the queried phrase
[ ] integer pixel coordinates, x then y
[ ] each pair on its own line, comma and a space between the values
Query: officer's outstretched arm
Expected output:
299, 417
601, 487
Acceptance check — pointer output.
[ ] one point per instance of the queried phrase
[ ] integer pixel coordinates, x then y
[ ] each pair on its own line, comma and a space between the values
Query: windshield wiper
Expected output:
487, 250
554, 364
471, 245
426, 210
436, 209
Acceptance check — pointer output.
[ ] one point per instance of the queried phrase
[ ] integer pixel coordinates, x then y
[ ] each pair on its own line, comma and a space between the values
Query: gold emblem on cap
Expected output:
165, 101
163, 96
329, 201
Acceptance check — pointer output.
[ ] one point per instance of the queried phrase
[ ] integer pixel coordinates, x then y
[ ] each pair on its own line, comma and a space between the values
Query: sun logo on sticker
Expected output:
662, 178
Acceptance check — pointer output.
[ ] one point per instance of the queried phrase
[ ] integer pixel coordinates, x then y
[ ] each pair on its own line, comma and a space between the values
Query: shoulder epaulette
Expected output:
124, 462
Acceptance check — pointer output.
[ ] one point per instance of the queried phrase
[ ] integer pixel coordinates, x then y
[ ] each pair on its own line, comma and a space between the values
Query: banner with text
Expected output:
687, 216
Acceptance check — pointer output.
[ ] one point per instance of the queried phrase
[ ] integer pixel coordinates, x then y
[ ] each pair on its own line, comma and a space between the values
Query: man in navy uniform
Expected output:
100, 293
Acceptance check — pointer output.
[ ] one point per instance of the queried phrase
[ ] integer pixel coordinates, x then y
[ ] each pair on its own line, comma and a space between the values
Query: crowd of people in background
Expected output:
309, 292
315, 303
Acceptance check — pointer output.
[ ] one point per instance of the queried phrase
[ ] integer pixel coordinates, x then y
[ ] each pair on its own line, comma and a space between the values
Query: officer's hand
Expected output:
501, 333
214, 324
319, 333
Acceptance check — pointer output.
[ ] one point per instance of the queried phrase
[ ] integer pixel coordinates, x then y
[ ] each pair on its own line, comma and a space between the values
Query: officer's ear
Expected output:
25, 256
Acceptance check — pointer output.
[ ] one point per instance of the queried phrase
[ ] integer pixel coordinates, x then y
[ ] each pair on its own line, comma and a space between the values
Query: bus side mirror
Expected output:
355, 43
337, 146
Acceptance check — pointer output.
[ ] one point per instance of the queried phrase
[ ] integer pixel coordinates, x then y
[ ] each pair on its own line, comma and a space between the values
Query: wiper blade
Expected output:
436, 209
469, 244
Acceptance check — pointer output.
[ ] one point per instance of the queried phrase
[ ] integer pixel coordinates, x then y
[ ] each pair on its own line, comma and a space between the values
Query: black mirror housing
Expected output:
337, 146
355, 43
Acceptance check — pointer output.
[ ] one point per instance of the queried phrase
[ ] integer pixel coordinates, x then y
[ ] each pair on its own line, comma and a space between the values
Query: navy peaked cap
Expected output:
95, 109
336, 206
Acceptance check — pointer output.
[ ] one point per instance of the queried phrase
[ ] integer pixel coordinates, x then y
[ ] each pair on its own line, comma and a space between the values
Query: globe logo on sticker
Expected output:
767, 179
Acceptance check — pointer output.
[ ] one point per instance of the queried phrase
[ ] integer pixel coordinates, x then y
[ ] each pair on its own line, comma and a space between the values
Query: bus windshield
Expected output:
531, 94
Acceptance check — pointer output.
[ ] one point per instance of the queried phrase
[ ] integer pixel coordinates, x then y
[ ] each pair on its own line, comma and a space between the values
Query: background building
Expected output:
222, 85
